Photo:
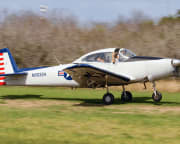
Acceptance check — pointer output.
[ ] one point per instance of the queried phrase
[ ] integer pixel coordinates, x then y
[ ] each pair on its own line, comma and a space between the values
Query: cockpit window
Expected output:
107, 57
125, 54
99, 57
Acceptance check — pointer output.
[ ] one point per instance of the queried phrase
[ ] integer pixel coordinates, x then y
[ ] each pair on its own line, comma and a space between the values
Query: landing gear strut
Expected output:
156, 96
126, 96
108, 98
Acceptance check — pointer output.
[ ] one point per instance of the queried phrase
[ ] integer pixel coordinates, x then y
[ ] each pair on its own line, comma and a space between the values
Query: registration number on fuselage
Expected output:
40, 74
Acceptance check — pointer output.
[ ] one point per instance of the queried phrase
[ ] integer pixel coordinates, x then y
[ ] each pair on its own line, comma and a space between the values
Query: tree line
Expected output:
37, 40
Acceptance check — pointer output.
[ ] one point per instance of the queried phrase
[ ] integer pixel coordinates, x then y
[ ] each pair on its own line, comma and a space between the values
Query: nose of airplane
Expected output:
176, 62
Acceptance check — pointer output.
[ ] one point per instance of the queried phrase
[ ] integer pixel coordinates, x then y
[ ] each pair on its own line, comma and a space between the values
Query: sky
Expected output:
98, 10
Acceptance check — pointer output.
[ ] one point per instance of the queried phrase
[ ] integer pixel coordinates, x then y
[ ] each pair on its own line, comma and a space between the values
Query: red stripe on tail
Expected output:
2, 83
2, 78
1, 68
2, 72
1, 59
1, 63
1, 54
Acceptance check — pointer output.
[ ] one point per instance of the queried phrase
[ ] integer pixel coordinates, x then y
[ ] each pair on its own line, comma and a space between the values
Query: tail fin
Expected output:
7, 64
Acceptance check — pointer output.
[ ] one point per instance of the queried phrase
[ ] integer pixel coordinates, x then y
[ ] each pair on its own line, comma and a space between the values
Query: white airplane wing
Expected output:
92, 76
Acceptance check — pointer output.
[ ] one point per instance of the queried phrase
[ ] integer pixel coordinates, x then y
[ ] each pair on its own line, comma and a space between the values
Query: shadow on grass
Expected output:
89, 102
29, 96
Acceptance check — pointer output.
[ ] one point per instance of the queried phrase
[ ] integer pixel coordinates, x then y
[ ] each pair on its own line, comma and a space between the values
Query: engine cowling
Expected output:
176, 62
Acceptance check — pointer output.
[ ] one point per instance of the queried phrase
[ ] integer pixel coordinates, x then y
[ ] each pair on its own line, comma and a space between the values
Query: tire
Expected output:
108, 99
157, 97
126, 96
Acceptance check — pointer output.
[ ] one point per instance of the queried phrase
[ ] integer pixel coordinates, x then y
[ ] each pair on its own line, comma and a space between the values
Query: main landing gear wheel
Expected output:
126, 96
108, 99
157, 96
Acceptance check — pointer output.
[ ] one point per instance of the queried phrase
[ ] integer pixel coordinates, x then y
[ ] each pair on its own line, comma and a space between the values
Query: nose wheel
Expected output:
156, 96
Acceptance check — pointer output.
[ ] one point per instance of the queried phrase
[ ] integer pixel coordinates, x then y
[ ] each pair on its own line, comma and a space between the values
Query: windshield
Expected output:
125, 54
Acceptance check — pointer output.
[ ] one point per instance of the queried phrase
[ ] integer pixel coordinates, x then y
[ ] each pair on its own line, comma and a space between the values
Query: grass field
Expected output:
64, 116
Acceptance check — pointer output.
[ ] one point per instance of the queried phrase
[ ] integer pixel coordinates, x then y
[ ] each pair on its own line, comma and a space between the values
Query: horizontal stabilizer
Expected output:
13, 74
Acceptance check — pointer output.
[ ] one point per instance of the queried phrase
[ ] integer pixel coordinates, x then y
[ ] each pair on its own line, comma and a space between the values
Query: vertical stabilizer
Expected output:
7, 64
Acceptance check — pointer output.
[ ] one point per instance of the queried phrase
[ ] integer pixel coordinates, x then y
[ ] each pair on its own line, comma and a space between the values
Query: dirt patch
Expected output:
74, 106
163, 85
34, 104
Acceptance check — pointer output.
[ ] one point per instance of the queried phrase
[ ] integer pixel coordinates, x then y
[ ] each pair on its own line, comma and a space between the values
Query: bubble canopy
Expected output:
106, 56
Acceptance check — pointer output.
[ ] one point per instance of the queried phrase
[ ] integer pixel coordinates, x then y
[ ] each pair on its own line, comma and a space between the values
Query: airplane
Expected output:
98, 69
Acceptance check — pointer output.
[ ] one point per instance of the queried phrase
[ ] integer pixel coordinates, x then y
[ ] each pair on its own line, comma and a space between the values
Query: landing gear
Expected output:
126, 96
108, 98
156, 96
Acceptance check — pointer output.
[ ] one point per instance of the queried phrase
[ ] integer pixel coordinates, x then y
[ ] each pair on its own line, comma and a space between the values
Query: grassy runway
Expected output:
64, 116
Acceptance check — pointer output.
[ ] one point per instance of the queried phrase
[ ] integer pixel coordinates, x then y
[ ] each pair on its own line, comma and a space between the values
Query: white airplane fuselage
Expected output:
138, 71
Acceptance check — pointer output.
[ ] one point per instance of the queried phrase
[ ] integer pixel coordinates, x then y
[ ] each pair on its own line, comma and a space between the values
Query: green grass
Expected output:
64, 116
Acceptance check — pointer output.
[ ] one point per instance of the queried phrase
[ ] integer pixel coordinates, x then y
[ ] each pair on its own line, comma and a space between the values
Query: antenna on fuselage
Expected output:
56, 59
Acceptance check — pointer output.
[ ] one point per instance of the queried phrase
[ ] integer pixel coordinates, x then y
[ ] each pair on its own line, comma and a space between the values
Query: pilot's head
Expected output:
116, 51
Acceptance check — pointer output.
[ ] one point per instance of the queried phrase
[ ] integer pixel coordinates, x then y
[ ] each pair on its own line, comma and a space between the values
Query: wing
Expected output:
92, 76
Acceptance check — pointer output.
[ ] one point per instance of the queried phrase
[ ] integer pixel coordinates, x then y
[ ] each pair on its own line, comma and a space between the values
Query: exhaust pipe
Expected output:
175, 62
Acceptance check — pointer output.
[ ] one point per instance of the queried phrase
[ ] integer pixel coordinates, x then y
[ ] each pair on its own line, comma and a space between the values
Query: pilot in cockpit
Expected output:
115, 55
100, 58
